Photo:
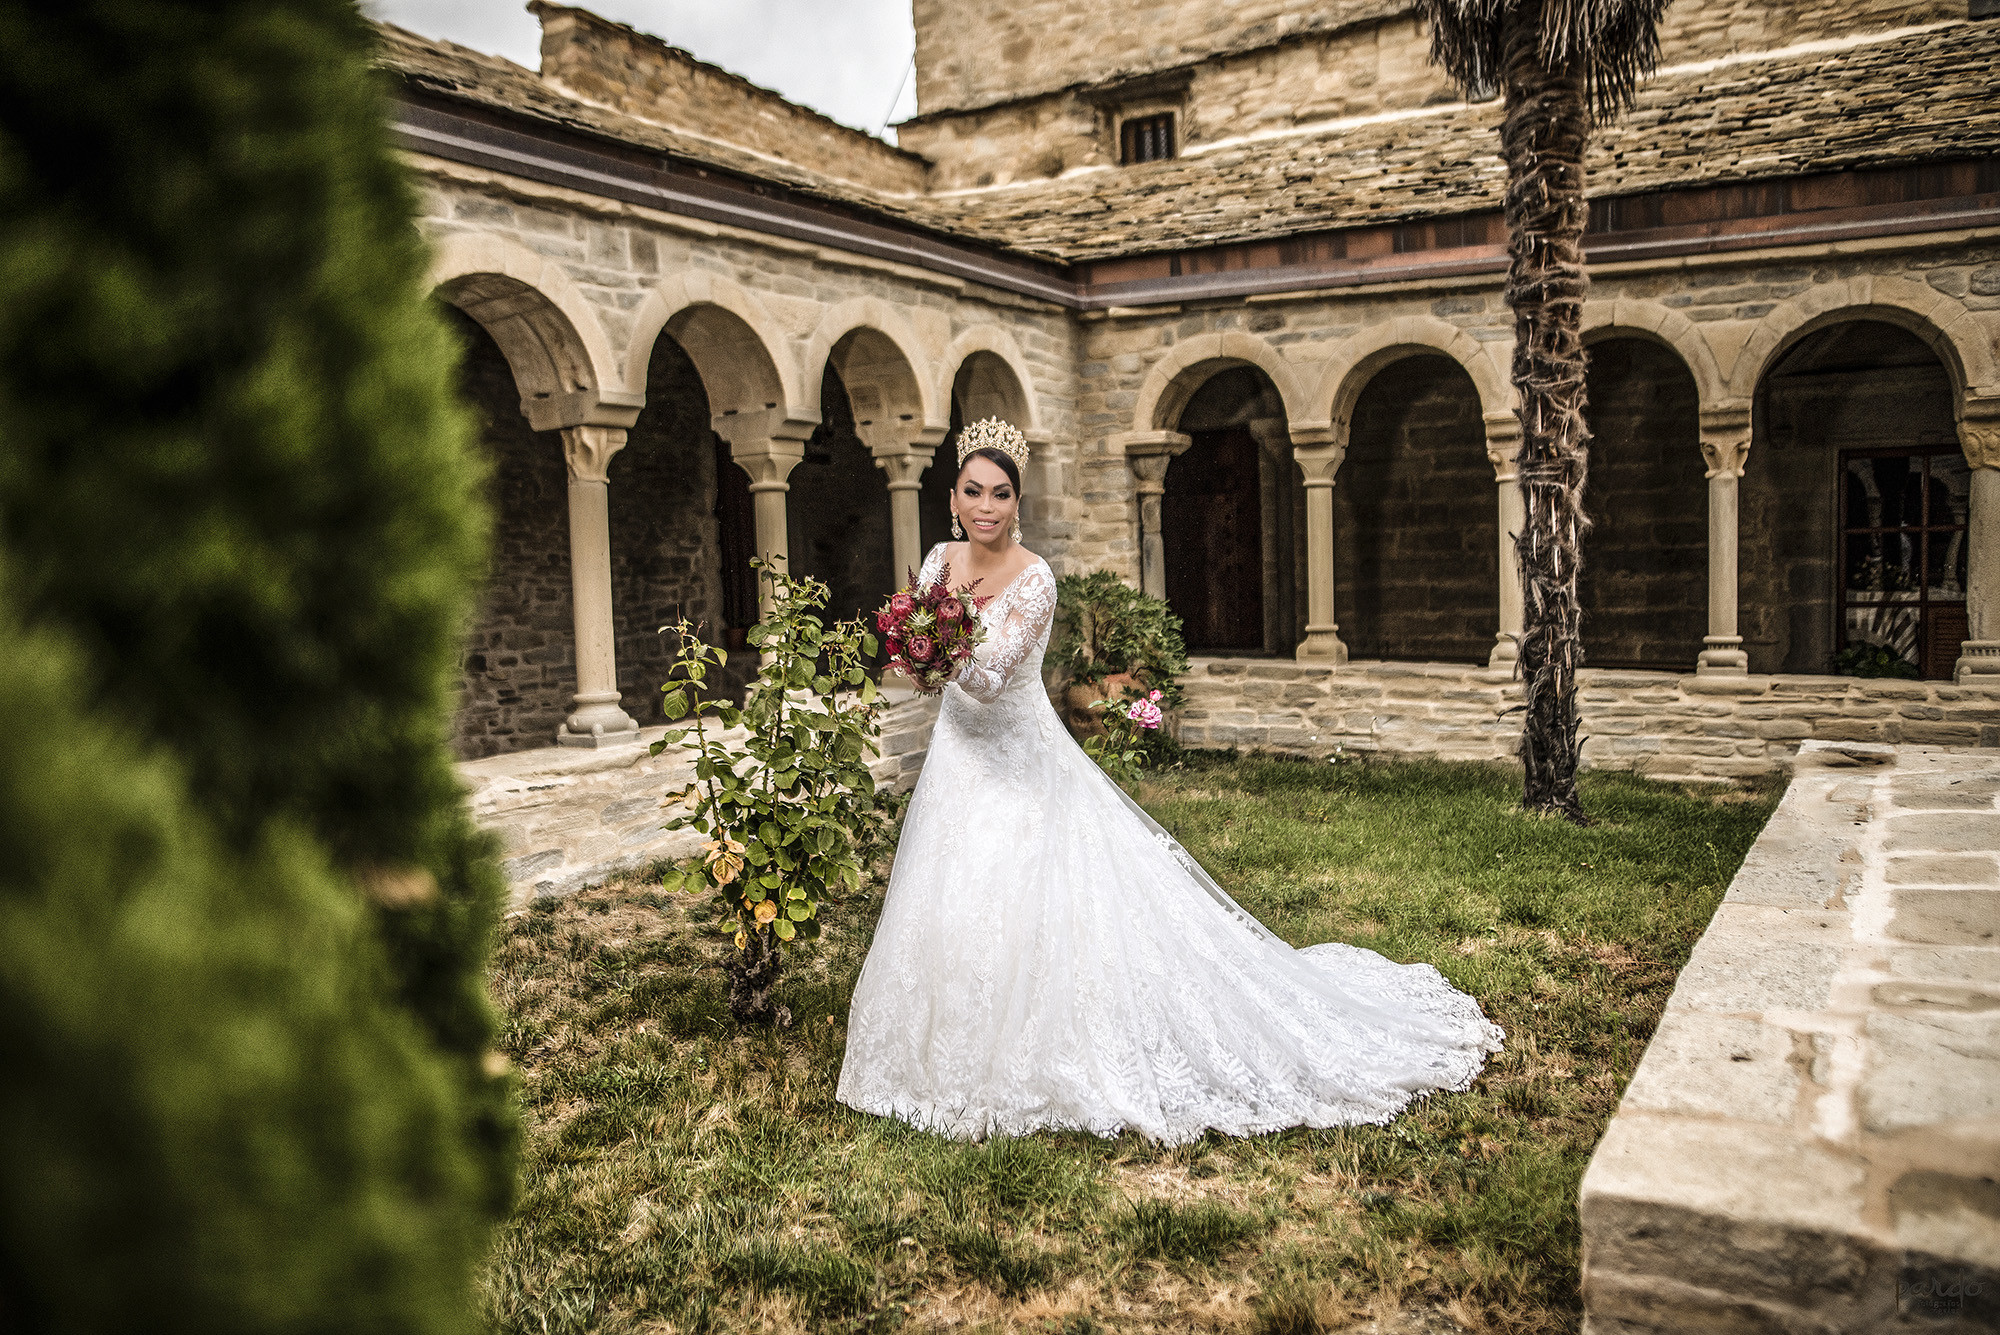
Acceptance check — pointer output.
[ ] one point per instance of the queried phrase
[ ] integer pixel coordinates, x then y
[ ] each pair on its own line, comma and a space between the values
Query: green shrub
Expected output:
1873, 660
1105, 626
788, 804
246, 914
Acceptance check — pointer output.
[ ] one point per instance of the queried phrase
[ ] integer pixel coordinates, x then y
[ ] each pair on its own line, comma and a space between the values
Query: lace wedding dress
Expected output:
1048, 956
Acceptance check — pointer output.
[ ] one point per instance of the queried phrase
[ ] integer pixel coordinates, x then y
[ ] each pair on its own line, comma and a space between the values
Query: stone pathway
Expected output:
1812, 1140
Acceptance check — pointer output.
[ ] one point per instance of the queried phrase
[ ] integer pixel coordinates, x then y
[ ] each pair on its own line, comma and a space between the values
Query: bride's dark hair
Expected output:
1007, 466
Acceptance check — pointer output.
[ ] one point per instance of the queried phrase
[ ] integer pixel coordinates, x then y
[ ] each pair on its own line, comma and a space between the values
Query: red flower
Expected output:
884, 622
901, 605
921, 648
951, 609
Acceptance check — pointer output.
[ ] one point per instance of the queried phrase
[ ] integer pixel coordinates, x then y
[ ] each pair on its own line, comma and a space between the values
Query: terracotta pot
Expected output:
1087, 722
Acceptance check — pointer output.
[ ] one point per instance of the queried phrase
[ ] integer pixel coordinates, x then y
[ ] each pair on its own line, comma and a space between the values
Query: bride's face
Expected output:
985, 501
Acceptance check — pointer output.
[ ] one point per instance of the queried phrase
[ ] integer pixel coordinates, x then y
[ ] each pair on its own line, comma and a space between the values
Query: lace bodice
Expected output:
1017, 624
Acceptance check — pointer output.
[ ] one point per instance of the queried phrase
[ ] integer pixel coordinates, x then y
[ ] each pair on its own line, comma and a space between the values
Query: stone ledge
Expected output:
1681, 728
1812, 1140
568, 818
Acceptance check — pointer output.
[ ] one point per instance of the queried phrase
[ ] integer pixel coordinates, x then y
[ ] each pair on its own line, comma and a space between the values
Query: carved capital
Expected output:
1503, 445
1725, 438
1979, 432
588, 450
905, 466
1151, 471
1319, 462
1725, 451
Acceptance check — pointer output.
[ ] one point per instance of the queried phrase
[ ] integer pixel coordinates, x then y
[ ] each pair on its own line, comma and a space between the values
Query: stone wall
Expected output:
665, 538
1809, 1142
642, 76
972, 52
1415, 538
1644, 583
518, 670
1665, 726
999, 85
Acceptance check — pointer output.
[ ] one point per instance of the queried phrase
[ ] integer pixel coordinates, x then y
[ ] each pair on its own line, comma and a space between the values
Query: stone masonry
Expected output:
1812, 1140
568, 818
1663, 725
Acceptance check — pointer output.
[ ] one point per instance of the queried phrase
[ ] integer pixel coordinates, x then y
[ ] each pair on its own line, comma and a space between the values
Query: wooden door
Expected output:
1211, 524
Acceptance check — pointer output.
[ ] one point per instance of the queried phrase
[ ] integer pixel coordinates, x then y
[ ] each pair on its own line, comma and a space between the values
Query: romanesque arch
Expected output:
734, 342
879, 356
1357, 360
1963, 341
1174, 379
985, 375
1626, 317
562, 363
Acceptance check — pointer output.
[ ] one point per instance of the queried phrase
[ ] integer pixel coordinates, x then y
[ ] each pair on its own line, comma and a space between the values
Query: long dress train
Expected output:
1049, 957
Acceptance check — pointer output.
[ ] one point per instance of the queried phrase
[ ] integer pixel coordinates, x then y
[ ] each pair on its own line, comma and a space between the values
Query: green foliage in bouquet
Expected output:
788, 804
1105, 626
248, 1084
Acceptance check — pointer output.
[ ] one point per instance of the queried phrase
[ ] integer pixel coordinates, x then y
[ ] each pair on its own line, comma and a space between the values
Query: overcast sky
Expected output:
844, 58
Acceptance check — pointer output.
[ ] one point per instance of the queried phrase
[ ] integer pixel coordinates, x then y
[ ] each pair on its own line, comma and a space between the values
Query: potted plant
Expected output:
1111, 641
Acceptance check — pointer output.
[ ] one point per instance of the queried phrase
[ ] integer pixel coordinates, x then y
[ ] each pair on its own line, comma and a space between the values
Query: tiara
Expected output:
994, 434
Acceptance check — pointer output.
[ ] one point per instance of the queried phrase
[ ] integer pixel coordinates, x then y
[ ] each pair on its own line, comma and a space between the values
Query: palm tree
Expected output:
1559, 63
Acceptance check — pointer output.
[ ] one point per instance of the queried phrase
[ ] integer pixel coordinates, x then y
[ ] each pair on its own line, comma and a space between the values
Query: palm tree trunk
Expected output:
1543, 139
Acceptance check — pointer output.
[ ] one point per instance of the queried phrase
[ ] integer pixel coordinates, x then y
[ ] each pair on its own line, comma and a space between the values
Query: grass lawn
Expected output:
681, 1176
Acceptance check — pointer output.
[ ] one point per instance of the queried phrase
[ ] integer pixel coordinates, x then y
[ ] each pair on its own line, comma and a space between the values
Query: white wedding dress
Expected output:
1048, 956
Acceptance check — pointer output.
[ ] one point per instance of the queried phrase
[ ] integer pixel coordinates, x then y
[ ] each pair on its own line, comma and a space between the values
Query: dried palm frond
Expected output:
1609, 44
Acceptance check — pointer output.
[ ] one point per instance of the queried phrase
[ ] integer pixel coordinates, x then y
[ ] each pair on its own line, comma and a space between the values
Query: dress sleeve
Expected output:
1030, 610
932, 563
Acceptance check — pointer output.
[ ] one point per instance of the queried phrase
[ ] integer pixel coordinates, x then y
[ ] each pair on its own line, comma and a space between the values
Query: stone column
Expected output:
1725, 444
1979, 435
1503, 451
904, 460
1322, 642
767, 449
1148, 453
1274, 503
597, 720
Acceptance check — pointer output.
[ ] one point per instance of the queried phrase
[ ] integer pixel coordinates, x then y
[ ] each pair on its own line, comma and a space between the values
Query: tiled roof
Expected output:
1925, 94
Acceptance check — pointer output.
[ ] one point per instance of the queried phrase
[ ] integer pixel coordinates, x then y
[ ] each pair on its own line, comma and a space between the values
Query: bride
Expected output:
1049, 957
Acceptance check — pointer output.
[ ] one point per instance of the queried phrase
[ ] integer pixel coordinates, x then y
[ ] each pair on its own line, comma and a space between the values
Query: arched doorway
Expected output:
1854, 508
517, 672
1415, 534
837, 511
1643, 582
672, 538
1220, 520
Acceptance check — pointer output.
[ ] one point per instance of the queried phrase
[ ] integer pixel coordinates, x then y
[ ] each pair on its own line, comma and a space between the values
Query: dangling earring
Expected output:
1017, 528
956, 531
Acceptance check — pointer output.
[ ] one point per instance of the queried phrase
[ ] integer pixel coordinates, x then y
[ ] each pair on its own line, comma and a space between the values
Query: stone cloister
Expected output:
1266, 378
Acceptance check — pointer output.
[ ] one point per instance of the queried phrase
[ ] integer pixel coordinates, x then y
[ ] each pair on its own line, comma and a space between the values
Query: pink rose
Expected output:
1144, 713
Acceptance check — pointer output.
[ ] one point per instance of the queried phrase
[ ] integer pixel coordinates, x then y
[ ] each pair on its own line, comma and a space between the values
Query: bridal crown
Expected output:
994, 434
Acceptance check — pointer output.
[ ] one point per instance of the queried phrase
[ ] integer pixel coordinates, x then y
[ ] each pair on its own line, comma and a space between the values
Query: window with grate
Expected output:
1146, 138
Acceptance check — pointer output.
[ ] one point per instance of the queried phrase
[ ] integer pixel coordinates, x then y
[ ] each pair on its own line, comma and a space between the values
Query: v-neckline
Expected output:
993, 600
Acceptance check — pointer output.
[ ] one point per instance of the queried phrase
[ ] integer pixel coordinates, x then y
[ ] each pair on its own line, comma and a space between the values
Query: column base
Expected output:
1322, 644
598, 721
1978, 663
1721, 656
1506, 651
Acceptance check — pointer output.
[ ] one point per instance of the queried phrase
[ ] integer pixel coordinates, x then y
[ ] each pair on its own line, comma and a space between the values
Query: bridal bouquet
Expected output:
930, 629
